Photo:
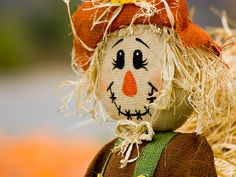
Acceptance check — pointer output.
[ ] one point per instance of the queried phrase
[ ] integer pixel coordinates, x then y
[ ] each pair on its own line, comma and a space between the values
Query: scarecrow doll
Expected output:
145, 66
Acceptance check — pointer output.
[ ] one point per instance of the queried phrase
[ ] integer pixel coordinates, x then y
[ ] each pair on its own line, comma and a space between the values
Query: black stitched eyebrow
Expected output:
117, 43
139, 40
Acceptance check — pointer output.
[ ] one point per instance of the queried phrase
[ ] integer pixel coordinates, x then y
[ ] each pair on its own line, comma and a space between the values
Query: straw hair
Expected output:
221, 133
202, 75
199, 72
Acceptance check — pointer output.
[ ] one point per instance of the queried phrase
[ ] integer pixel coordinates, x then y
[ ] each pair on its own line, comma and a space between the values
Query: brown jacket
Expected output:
186, 155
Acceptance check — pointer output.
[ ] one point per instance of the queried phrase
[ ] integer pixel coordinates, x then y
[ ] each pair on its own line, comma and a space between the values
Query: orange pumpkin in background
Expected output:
45, 156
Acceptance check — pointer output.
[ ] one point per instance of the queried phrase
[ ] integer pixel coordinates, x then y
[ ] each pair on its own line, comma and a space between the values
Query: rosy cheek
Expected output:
103, 87
157, 80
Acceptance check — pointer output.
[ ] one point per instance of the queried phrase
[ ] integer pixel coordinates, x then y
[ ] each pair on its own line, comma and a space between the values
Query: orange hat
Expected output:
191, 35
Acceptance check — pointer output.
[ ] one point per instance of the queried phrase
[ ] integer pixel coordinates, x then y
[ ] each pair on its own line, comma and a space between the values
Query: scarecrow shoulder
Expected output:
96, 165
203, 161
187, 155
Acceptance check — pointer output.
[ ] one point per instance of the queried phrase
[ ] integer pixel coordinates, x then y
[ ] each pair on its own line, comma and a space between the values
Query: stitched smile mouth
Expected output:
138, 114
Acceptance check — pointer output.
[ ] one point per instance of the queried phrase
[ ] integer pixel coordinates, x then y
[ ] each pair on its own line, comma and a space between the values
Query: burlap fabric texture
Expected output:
187, 155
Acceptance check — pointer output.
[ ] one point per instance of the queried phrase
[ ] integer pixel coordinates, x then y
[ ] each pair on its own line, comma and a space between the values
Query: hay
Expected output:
132, 135
221, 133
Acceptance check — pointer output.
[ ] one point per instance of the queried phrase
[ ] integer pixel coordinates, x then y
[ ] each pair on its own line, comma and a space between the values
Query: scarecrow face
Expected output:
131, 75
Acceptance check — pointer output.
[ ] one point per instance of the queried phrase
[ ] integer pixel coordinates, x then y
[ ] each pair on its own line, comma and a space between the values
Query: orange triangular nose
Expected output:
129, 86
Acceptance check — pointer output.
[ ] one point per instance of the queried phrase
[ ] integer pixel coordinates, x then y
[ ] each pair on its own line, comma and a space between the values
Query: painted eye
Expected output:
138, 61
119, 62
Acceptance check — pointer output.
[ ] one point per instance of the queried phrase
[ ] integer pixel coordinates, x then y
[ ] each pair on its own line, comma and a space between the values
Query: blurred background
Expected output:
35, 45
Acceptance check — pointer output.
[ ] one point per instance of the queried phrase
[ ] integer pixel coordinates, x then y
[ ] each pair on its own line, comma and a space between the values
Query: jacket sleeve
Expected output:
96, 165
203, 161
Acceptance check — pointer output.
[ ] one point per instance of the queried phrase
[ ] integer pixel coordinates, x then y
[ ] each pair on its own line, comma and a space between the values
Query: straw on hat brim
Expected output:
83, 20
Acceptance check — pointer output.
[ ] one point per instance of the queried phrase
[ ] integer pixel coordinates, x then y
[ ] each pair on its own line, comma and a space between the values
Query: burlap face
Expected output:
131, 75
